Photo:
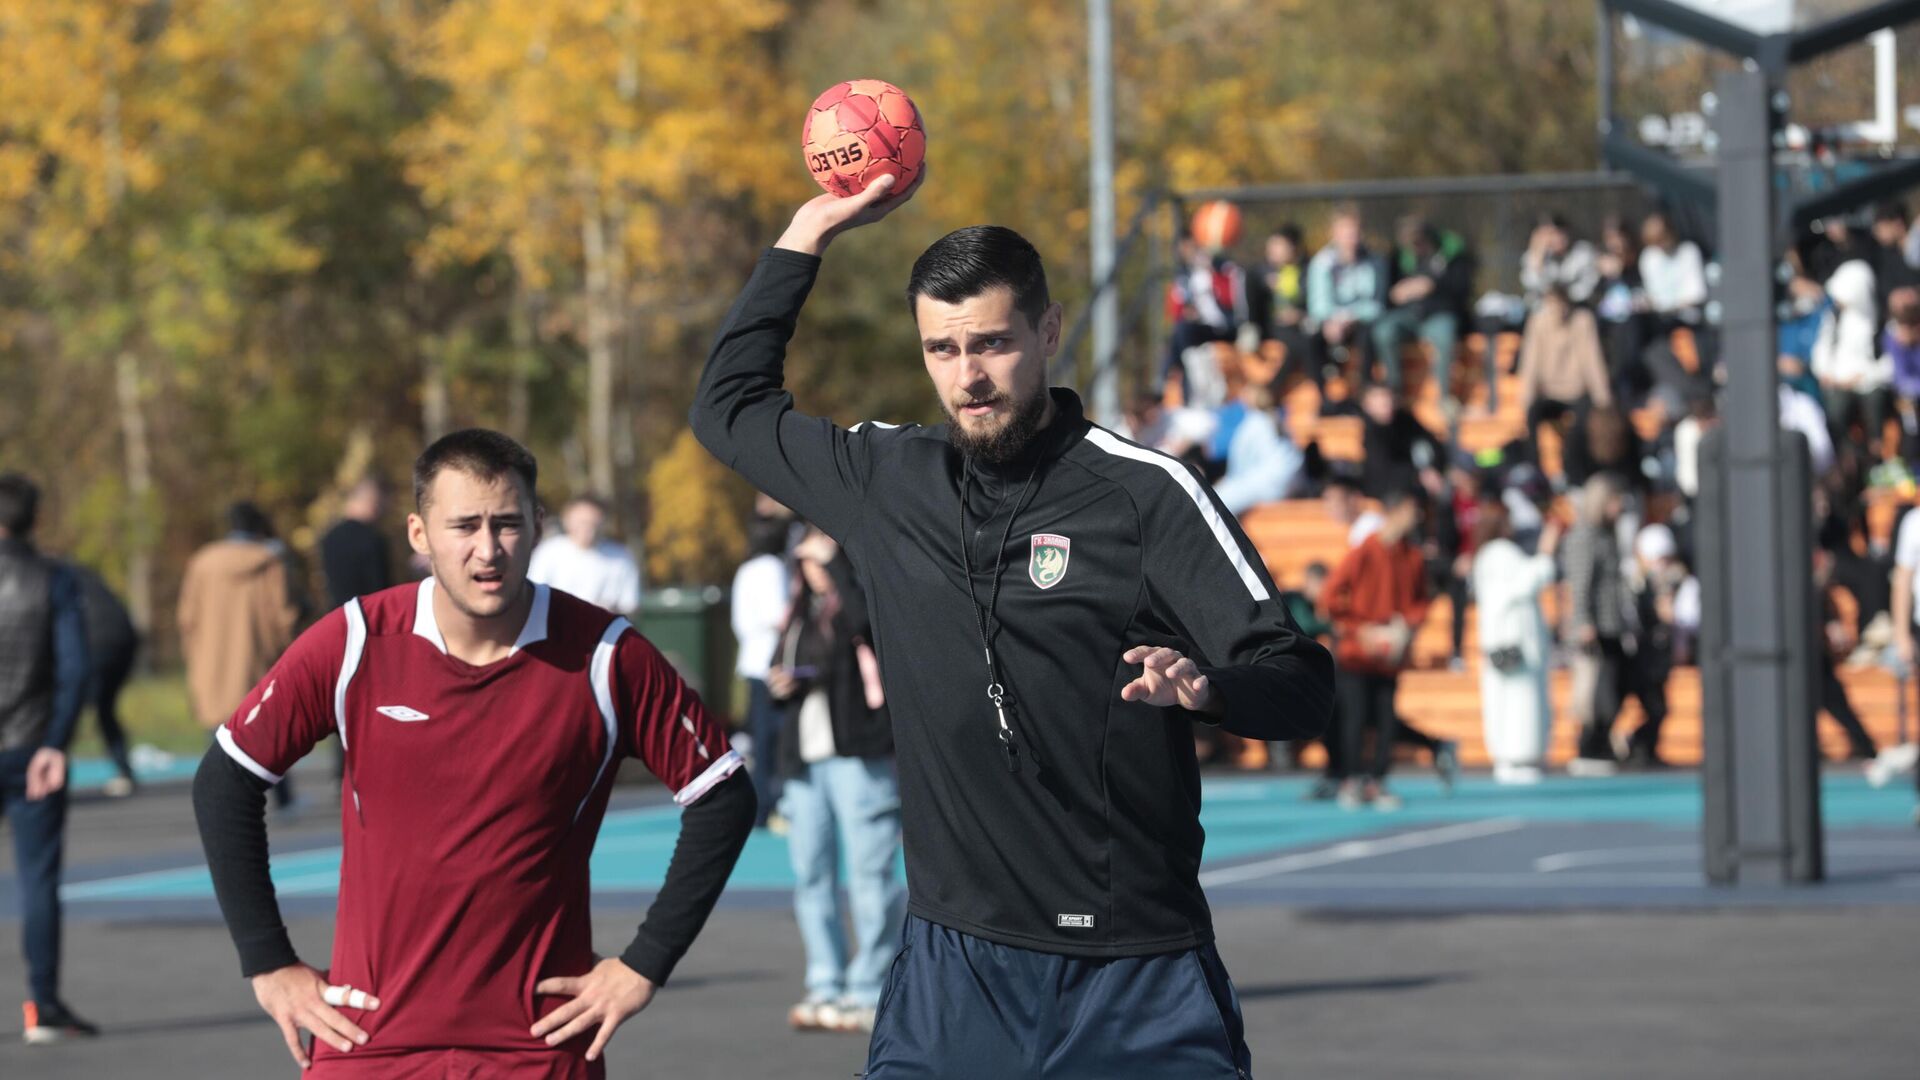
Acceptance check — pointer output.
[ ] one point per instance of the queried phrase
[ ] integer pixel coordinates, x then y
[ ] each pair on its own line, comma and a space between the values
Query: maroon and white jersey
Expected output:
473, 797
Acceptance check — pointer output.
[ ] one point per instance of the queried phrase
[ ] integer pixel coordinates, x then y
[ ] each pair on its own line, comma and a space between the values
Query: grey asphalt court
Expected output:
1410, 974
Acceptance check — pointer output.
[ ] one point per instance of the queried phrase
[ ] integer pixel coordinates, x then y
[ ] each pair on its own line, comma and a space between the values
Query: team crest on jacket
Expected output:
1047, 561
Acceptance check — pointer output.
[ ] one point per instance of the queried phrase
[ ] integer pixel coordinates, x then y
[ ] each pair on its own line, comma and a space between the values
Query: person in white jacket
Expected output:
1507, 583
1853, 376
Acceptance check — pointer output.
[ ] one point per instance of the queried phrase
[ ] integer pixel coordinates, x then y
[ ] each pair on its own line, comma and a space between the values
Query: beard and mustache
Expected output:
1005, 442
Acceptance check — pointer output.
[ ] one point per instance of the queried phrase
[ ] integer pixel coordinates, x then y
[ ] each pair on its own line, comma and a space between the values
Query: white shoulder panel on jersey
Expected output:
349, 664
600, 671
1112, 444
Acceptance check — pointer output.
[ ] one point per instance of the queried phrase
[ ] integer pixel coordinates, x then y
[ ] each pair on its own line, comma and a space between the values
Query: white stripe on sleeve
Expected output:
723, 767
225, 739
1107, 441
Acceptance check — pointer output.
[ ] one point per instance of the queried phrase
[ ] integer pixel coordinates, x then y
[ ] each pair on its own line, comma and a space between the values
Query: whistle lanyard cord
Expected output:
984, 618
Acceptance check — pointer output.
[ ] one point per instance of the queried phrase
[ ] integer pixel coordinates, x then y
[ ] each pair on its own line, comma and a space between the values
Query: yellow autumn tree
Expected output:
594, 142
696, 532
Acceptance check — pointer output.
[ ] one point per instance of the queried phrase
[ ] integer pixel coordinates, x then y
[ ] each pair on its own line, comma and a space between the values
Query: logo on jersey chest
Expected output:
401, 713
1047, 559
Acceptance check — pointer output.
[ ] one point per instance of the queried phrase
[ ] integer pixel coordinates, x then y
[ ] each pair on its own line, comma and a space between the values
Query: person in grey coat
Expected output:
1595, 622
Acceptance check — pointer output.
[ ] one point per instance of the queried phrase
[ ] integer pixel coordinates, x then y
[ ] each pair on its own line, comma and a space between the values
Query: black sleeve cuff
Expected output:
1252, 712
270, 952
788, 255
654, 960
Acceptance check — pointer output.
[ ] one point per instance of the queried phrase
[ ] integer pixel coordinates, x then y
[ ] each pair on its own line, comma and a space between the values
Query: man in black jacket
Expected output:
1052, 605
1431, 295
43, 683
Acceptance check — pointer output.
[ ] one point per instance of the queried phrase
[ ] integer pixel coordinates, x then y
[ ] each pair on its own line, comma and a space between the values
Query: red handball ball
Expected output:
862, 130
1216, 225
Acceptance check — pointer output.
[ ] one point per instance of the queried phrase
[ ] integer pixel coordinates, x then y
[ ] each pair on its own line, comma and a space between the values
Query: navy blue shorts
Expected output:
957, 1007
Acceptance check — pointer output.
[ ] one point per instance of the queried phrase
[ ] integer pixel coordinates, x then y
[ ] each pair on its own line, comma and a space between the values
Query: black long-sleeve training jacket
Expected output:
1091, 847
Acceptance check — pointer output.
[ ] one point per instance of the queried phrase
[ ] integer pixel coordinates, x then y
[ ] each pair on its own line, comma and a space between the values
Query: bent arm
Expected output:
712, 832
1207, 581
744, 416
230, 806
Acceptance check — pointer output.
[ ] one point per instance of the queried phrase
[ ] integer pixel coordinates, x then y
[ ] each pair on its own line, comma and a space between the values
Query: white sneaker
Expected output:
1592, 767
851, 1018
117, 788
1891, 762
814, 1014
1516, 774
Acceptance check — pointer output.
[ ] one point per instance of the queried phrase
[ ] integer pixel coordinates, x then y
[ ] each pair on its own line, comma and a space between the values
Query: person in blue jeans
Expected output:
840, 795
43, 680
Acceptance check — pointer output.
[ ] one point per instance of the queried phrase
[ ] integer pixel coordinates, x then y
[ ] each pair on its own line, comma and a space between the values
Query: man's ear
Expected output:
417, 534
1051, 321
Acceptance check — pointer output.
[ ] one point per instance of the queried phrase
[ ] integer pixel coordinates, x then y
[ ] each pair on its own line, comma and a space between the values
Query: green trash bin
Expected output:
691, 626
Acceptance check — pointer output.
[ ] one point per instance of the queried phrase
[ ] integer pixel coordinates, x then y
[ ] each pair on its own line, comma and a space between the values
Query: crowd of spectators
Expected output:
1611, 344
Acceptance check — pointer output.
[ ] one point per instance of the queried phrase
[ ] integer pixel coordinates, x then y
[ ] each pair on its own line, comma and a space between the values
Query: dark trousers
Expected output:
764, 719
1457, 589
1404, 734
1867, 579
1833, 701
959, 1007
110, 673
1544, 411
39, 838
1872, 406
1305, 357
1366, 701
1596, 738
1644, 678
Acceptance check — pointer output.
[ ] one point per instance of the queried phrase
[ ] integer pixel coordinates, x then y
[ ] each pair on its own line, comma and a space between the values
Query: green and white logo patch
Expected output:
1047, 559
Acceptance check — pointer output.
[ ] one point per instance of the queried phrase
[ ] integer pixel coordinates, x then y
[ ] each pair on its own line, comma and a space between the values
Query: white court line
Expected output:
1351, 850
1390, 881
1570, 860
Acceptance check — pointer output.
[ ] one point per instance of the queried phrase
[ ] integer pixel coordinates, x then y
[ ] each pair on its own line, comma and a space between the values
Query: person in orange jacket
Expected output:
1376, 600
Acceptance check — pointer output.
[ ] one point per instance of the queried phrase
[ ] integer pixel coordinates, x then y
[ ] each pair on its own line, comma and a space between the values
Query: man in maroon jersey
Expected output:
481, 717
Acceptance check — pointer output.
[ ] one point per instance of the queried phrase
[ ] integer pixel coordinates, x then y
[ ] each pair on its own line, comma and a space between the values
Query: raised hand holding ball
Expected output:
859, 131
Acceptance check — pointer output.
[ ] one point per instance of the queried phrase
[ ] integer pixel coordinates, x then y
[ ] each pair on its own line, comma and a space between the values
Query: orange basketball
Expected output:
859, 131
1216, 225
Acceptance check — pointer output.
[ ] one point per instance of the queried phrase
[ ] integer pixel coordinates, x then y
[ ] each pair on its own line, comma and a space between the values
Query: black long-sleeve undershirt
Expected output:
230, 806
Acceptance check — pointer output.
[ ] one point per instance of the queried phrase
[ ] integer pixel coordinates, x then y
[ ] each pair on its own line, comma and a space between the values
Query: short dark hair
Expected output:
477, 452
587, 498
1316, 569
1401, 493
19, 505
245, 517
967, 262
1892, 210
1291, 233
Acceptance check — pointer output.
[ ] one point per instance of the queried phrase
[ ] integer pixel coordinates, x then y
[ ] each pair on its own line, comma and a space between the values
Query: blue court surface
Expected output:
1629, 842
